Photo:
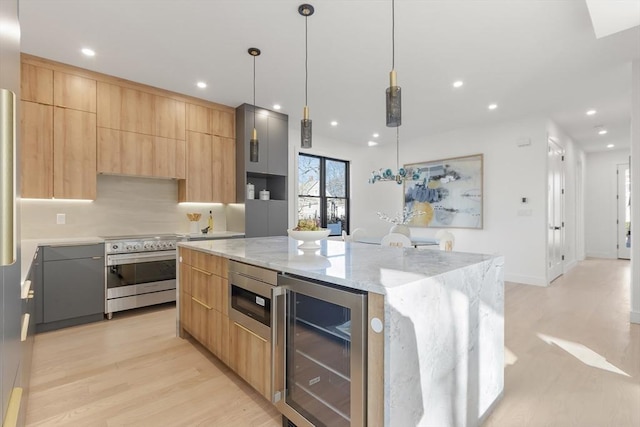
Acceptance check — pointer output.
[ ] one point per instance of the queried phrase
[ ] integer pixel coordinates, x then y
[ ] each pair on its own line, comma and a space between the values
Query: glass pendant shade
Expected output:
253, 147
394, 102
305, 129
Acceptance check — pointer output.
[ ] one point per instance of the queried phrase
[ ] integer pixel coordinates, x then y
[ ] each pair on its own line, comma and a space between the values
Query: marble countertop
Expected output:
355, 265
212, 235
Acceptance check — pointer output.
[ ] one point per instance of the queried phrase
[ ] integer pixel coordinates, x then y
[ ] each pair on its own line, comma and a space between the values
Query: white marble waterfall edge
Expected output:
444, 359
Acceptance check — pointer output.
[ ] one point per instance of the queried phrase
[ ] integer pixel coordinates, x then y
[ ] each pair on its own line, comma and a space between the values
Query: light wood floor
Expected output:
133, 371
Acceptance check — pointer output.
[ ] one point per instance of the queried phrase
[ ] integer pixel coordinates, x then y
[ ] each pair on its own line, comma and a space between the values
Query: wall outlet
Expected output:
61, 218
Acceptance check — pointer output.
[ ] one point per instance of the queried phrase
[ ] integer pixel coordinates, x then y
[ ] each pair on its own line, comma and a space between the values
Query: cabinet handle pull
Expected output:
96, 257
7, 176
251, 332
31, 294
201, 303
208, 273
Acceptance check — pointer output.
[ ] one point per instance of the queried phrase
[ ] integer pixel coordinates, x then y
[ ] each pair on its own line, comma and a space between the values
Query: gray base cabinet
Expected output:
263, 217
72, 286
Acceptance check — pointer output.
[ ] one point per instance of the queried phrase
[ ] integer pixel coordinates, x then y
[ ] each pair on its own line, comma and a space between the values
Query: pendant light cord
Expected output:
398, 148
254, 92
393, 34
306, 62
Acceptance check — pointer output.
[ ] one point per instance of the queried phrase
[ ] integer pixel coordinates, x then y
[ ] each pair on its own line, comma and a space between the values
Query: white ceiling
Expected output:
531, 57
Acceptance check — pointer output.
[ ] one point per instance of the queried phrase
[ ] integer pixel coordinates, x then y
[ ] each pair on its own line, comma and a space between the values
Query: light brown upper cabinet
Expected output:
58, 152
197, 186
36, 84
36, 130
211, 121
75, 92
136, 154
169, 118
210, 169
223, 165
169, 157
125, 109
74, 154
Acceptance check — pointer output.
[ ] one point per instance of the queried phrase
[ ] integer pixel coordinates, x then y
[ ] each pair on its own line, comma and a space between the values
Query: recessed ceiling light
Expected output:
372, 143
334, 123
88, 52
276, 106
201, 85
591, 112
375, 135
602, 132
458, 83
610, 145
492, 106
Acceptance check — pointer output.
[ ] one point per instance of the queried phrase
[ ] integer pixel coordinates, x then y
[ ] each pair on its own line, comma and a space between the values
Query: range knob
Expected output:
129, 247
137, 246
115, 247
149, 245
162, 245
172, 245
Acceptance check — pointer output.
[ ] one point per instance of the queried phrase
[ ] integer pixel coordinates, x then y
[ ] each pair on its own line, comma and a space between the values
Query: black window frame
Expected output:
323, 198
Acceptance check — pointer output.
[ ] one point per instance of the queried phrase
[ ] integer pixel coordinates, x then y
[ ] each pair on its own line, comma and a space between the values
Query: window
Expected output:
323, 192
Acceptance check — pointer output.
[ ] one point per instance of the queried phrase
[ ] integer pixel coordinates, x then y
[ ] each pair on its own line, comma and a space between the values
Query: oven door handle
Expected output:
137, 258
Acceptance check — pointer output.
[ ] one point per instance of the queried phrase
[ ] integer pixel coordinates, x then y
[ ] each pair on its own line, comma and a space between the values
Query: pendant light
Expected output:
253, 142
394, 107
305, 10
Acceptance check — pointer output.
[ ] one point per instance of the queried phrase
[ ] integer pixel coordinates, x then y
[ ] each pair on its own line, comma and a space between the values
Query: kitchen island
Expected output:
442, 359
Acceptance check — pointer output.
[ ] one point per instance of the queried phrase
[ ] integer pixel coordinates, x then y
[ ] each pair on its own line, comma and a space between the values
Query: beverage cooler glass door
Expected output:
319, 363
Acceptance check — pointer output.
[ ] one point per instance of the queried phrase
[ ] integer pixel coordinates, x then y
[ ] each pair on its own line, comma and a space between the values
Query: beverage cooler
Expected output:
319, 353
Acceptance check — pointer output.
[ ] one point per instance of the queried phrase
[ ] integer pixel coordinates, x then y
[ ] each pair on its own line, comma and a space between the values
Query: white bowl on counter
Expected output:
309, 238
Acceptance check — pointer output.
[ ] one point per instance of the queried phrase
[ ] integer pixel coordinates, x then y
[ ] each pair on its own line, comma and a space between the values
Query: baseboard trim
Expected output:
569, 266
634, 316
525, 280
605, 255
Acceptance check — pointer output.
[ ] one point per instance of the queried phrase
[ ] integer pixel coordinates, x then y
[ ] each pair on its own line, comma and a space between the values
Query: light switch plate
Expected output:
61, 218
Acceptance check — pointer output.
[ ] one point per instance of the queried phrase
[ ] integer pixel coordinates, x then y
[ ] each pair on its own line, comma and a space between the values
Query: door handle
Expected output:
557, 228
7, 176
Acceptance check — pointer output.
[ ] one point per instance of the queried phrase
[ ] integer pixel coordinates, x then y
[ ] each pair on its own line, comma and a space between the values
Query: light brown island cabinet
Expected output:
204, 301
251, 358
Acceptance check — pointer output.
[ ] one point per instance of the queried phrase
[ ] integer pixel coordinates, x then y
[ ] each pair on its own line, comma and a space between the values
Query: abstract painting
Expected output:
449, 192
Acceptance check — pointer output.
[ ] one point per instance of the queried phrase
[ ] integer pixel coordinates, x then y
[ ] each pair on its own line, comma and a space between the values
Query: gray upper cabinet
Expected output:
273, 132
263, 217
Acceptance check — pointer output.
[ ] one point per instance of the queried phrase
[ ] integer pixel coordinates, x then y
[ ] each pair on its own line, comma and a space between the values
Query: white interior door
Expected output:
555, 215
624, 210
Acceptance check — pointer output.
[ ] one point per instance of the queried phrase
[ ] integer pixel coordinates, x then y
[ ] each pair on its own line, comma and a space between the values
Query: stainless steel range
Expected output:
140, 271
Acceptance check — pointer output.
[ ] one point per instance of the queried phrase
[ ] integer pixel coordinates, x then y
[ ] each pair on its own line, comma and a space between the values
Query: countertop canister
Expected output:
251, 191
264, 195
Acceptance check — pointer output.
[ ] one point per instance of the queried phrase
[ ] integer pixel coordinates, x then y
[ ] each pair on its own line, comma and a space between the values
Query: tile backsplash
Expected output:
125, 205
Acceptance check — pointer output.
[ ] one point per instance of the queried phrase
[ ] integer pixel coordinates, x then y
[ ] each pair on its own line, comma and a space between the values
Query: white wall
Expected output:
124, 205
635, 184
510, 173
602, 207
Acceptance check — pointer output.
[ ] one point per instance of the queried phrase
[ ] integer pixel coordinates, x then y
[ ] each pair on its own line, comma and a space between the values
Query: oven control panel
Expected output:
130, 246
